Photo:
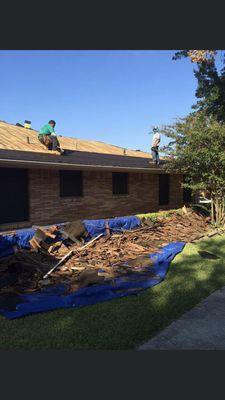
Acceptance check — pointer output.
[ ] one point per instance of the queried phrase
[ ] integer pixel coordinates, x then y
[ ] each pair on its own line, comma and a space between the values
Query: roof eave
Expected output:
53, 165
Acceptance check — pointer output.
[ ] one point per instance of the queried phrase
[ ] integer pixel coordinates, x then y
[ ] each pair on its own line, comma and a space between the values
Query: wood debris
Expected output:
126, 252
102, 258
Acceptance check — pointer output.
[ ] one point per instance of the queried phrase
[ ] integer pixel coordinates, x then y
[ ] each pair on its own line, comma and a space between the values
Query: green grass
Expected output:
128, 322
154, 216
200, 208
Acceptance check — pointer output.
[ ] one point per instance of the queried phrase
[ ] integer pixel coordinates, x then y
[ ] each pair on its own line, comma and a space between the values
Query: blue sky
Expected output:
111, 96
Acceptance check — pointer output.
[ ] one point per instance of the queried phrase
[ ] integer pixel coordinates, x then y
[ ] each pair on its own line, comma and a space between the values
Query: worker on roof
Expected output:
155, 145
47, 136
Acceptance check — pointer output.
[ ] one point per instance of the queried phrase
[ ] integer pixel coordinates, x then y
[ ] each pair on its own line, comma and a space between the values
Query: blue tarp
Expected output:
118, 224
20, 238
52, 298
94, 227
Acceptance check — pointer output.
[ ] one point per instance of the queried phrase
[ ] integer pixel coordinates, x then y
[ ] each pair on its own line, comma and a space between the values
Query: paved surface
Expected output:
202, 328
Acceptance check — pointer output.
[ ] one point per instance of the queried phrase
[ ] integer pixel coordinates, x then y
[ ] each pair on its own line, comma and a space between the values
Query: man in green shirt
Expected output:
48, 137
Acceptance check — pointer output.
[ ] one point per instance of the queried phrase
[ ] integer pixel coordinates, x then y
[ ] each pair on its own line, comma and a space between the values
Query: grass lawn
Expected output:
124, 323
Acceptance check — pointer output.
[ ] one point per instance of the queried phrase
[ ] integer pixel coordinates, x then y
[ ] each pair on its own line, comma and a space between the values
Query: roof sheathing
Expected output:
16, 151
13, 137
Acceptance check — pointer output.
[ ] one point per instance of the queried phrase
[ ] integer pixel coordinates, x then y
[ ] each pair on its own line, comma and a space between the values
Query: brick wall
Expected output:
46, 206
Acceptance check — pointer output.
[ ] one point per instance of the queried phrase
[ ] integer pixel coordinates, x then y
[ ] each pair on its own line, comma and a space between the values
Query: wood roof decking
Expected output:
13, 137
15, 149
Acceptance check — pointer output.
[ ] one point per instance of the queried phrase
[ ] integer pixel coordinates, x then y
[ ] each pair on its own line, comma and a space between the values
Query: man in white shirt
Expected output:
155, 145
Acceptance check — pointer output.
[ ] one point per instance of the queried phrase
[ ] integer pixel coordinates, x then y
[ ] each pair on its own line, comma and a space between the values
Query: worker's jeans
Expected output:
155, 154
50, 141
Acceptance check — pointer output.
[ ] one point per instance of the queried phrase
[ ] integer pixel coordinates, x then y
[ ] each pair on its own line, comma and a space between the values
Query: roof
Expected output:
13, 137
16, 149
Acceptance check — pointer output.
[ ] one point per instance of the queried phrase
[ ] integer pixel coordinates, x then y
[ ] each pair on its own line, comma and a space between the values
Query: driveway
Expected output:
202, 328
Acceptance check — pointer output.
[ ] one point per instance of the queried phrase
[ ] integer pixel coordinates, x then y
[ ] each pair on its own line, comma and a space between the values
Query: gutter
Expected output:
47, 164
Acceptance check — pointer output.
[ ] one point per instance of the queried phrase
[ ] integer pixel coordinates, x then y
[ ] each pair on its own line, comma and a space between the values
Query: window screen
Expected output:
119, 183
164, 189
71, 183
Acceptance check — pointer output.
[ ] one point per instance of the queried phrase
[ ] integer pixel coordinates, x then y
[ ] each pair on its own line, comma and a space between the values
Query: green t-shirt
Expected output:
46, 130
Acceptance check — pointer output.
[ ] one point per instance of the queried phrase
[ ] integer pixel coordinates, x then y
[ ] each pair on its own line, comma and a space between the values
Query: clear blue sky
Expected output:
111, 96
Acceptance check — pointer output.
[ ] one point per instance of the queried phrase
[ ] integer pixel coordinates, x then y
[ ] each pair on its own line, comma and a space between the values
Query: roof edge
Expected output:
52, 165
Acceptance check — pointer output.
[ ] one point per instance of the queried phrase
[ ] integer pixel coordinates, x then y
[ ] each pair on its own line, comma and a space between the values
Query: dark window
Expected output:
14, 200
71, 183
164, 189
119, 182
187, 194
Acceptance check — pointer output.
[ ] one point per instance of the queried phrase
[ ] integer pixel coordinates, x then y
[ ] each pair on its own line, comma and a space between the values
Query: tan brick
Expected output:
46, 206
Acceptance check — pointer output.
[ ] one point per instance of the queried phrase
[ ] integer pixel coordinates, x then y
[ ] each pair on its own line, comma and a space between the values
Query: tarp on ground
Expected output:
96, 226
52, 298
20, 238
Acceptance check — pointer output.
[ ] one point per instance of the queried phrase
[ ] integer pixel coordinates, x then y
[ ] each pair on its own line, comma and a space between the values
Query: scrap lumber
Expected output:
69, 254
34, 244
109, 256
89, 243
39, 239
75, 231
58, 263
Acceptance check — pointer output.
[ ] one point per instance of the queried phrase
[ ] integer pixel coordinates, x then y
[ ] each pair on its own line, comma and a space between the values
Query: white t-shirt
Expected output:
156, 139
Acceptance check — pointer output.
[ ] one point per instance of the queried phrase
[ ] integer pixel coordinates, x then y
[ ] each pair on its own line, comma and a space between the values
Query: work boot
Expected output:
61, 151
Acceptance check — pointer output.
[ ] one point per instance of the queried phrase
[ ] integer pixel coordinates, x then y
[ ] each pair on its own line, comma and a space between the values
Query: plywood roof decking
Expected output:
15, 138
15, 150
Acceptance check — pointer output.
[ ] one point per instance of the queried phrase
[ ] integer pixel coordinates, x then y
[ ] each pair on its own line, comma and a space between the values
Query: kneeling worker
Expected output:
48, 137
155, 145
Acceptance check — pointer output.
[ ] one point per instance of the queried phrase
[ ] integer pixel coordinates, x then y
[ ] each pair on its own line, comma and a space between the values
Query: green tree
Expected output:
211, 81
197, 150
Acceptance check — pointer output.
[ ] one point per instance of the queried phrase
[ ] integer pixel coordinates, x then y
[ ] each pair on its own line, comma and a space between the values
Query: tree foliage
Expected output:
197, 56
197, 150
211, 81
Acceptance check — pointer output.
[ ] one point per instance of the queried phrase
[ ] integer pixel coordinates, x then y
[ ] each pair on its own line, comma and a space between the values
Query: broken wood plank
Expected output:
89, 243
58, 263
71, 252
34, 244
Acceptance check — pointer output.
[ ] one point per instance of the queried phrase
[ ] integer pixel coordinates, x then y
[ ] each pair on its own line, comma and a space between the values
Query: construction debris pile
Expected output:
64, 256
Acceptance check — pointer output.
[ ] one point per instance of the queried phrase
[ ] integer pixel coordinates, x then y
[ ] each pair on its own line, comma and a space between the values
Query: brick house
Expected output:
94, 180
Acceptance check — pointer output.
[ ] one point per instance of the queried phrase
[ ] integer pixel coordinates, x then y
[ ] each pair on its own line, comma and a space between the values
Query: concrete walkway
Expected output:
202, 328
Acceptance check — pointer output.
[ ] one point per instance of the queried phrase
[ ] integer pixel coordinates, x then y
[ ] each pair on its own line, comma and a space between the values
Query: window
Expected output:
71, 183
164, 189
119, 183
14, 199
187, 193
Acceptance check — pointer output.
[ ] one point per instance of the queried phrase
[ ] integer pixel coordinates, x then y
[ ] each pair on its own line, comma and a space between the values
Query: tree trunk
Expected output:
217, 211
212, 211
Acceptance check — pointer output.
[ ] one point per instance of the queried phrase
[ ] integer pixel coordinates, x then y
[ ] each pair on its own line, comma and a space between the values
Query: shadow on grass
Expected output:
127, 322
